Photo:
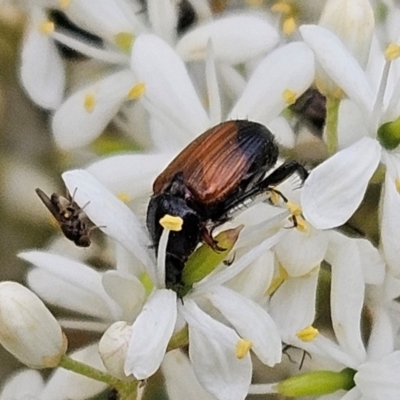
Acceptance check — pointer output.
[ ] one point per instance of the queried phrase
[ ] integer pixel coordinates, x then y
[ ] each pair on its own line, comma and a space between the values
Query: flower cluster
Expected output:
309, 263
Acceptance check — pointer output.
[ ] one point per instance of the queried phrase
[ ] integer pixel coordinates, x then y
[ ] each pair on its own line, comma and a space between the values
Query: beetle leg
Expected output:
207, 238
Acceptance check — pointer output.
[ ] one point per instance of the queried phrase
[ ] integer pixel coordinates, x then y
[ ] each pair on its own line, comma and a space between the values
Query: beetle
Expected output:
208, 181
71, 218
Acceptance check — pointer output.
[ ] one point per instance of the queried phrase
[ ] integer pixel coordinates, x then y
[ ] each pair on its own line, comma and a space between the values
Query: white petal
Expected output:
390, 225
214, 97
339, 64
236, 39
80, 285
150, 334
74, 126
263, 97
292, 306
64, 384
42, 70
180, 380
22, 383
241, 264
110, 214
347, 293
372, 263
253, 280
168, 86
107, 19
131, 174
163, 18
300, 252
212, 353
251, 322
335, 188
380, 379
128, 293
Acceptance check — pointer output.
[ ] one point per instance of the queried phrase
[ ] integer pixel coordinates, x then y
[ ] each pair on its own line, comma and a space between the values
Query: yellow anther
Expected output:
172, 223
282, 7
301, 224
308, 334
124, 197
46, 27
274, 197
64, 4
398, 184
243, 346
124, 41
289, 26
255, 3
137, 91
294, 208
392, 51
289, 96
89, 102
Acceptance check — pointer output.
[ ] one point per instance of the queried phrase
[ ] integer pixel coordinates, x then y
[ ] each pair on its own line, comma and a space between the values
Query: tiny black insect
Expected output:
208, 181
73, 221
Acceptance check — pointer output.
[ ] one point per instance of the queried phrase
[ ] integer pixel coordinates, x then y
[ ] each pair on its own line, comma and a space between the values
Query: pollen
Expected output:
289, 96
308, 334
274, 197
46, 27
89, 102
243, 346
294, 208
64, 4
137, 91
392, 51
397, 182
124, 41
282, 7
301, 224
288, 27
172, 223
277, 281
255, 3
124, 197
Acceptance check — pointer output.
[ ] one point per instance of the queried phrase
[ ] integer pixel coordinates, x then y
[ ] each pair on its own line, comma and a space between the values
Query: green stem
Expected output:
332, 115
180, 339
127, 389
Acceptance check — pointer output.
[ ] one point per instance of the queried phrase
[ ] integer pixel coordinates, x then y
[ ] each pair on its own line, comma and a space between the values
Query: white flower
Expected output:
335, 189
27, 328
156, 322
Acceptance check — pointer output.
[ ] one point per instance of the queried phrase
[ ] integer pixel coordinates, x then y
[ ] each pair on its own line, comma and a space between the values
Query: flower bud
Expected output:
113, 347
27, 328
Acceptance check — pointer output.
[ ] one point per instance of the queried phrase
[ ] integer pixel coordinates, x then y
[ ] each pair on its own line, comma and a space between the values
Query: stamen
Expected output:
278, 280
392, 51
46, 27
308, 334
124, 40
124, 197
281, 7
171, 222
289, 96
89, 102
301, 224
243, 346
137, 91
288, 27
294, 208
397, 181
64, 4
